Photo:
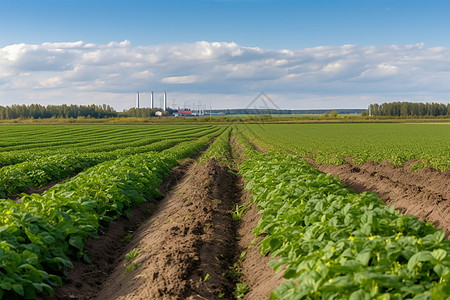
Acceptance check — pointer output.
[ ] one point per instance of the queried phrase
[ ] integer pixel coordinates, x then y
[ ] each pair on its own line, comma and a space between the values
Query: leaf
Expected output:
47, 238
441, 270
77, 242
425, 256
439, 254
413, 261
364, 257
18, 288
360, 295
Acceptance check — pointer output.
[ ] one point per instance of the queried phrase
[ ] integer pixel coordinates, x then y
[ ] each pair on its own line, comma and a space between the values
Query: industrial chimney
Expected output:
165, 101
137, 100
151, 100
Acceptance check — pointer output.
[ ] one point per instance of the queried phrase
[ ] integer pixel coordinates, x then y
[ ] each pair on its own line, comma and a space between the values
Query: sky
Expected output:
222, 53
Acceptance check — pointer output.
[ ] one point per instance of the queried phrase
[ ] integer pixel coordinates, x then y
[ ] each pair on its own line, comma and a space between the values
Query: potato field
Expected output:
243, 211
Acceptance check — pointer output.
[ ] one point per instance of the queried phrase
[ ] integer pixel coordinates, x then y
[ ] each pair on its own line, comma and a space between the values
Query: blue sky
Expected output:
391, 41
275, 24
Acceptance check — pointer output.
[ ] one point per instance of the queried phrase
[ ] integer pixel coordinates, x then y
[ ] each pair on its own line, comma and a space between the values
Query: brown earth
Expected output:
85, 279
424, 193
186, 245
258, 276
185, 249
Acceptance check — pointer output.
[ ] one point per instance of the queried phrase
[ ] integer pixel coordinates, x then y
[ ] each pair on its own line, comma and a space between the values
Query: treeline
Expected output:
259, 111
408, 109
36, 111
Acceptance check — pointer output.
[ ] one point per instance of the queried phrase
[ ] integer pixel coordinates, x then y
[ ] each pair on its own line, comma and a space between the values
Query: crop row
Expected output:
219, 149
39, 233
20, 136
108, 138
90, 144
36, 173
427, 144
335, 244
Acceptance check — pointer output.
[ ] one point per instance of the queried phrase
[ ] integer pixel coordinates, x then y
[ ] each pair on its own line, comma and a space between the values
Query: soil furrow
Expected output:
86, 279
187, 244
257, 274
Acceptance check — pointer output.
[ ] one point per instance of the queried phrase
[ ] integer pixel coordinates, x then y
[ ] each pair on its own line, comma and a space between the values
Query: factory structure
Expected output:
163, 109
152, 103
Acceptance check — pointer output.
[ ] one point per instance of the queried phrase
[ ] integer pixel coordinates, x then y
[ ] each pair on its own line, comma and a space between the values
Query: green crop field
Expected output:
429, 144
328, 241
121, 169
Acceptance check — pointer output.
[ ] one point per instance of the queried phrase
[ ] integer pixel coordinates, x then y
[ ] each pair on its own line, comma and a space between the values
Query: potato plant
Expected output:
39, 233
335, 244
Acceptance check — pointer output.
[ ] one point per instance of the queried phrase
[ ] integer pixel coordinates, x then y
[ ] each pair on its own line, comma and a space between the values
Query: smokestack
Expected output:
165, 101
137, 100
151, 100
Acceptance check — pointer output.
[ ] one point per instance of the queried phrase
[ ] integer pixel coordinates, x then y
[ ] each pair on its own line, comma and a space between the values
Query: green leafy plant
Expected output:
239, 211
332, 243
241, 290
127, 238
130, 256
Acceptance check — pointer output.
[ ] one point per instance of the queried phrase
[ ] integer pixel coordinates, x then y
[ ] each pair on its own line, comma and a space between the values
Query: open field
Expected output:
171, 211
428, 144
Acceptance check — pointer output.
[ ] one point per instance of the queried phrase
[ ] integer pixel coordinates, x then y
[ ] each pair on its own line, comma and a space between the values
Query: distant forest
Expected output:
256, 111
408, 109
37, 111
392, 109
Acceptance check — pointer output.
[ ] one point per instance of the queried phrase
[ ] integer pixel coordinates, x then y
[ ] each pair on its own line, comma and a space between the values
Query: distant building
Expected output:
189, 112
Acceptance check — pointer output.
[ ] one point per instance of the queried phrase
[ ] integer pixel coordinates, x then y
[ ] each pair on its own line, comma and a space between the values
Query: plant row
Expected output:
36, 173
332, 243
60, 135
109, 139
220, 149
427, 144
39, 233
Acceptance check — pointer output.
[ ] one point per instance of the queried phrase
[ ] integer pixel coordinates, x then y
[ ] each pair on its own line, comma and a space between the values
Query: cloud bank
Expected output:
223, 74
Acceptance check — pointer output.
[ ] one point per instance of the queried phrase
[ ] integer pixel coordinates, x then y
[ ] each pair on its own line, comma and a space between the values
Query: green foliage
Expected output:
39, 233
334, 143
130, 256
127, 238
241, 290
118, 140
220, 149
239, 211
335, 244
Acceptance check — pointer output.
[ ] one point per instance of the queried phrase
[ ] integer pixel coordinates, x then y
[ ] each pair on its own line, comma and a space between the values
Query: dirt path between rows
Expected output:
185, 249
86, 279
425, 193
258, 276
187, 243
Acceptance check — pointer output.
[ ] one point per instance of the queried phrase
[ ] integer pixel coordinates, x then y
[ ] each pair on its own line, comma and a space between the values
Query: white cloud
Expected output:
222, 73
180, 79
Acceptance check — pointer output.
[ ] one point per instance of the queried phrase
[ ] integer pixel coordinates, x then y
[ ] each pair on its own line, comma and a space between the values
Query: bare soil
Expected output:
85, 279
424, 193
185, 249
187, 244
258, 276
